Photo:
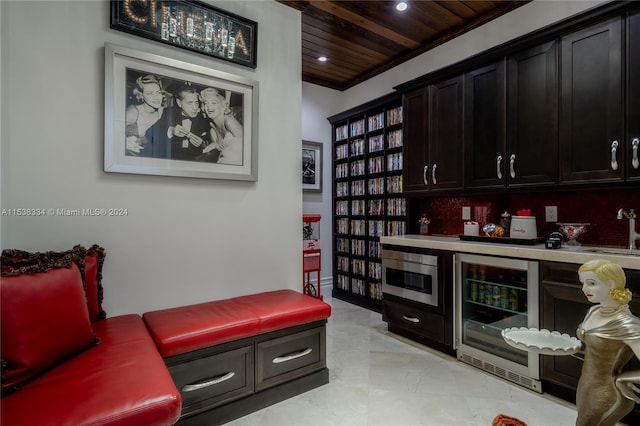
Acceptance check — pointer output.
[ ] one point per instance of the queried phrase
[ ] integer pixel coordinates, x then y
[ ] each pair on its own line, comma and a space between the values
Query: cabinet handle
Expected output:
614, 158
285, 358
411, 319
634, 162
512, 170
499, 167
433, 173
209, 382
425, 179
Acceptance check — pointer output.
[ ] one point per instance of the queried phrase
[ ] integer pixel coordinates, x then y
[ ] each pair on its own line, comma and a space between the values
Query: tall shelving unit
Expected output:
367, 196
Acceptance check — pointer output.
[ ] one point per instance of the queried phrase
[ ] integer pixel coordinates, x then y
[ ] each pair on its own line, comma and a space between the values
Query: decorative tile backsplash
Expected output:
597, 207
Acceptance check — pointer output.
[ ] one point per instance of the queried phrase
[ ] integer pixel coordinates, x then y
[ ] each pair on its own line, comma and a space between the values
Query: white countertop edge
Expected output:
566, 254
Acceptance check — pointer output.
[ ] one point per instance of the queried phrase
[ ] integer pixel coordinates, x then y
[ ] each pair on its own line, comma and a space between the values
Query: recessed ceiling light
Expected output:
401, 6
323, 59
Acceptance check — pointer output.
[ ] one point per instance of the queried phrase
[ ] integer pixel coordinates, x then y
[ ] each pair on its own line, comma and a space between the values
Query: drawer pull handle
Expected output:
614, 159
412, 319
499, 167
290, 357
214, 381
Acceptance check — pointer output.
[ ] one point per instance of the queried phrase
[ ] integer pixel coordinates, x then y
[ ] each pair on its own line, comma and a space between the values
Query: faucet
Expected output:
633, 235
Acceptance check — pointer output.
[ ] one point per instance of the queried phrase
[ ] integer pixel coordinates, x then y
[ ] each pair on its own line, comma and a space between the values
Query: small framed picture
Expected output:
311, 166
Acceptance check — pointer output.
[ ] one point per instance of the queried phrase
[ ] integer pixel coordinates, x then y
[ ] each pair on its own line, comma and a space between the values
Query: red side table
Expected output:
311, 256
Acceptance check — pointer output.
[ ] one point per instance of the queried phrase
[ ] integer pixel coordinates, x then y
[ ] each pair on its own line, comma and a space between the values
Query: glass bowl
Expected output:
572, 231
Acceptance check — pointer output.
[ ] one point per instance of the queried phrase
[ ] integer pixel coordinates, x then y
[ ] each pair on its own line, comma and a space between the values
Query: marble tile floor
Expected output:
380, 378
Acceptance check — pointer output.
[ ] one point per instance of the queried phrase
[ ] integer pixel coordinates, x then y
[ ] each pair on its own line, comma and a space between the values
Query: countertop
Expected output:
567, 254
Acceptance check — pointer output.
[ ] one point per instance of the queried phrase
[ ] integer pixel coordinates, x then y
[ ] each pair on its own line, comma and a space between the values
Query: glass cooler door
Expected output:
494, 294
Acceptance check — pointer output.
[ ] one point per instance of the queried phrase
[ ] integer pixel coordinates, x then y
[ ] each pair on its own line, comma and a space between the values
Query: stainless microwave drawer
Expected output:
206, 381
419, 321
285, 358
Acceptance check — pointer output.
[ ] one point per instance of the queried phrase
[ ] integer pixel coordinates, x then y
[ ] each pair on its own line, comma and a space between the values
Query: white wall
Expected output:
184, 240
319, 102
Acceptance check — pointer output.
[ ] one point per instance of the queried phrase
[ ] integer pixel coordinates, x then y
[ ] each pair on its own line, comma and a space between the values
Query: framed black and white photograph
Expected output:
190, 25
173, 118
311, 166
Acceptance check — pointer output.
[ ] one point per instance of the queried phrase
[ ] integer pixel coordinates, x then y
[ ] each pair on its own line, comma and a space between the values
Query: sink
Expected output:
611, 250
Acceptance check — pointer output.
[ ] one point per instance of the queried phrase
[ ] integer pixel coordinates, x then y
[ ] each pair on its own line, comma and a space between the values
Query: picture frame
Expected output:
190, 25
311, 166
146, 131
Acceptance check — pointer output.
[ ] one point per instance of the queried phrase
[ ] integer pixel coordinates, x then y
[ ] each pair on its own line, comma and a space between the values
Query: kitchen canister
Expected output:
505, 222
523, 227
472, 228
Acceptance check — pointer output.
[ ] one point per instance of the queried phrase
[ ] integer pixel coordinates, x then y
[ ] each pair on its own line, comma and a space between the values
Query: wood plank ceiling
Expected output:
362, 39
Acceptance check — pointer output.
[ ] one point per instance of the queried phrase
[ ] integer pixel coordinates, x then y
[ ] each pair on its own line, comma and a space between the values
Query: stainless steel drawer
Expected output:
285, 358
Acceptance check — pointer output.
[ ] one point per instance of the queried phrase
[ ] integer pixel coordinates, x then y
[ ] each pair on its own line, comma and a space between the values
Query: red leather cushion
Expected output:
122, 381
188, 328
43, 320
283, 308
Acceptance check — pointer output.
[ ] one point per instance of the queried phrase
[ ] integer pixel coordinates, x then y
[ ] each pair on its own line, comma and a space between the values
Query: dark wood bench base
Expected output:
233, 379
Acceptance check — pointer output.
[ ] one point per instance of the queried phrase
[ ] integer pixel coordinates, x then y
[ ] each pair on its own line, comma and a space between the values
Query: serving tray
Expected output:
543, 341
503, 240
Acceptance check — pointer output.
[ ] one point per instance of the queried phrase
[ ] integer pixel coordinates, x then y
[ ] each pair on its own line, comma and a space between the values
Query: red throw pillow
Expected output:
93, 282
43, 320
89, 261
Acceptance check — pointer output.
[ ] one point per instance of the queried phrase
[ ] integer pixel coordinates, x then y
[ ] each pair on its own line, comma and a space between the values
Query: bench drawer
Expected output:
285, 358
211, 379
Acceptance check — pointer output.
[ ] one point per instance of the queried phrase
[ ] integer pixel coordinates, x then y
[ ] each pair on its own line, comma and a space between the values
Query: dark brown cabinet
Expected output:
434, 147
416, 145
591, 104
554, 109
445, 135
511, 133
633, 98
531, 156
484, 130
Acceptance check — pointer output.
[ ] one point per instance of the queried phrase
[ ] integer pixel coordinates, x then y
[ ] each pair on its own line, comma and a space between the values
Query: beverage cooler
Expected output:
492, 294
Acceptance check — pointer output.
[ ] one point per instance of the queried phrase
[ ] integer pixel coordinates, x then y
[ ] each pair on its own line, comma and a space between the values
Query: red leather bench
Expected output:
234, 356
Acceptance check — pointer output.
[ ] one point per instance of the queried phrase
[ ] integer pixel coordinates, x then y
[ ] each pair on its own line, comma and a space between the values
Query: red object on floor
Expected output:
311, 261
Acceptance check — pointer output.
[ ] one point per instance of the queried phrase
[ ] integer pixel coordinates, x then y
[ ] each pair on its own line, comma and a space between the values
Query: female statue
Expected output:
611, 336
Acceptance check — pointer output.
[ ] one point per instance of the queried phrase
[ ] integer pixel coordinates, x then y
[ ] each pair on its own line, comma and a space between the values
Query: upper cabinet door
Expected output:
532, 117
445, 135
484, 134
415, 158
591, 104
633, 98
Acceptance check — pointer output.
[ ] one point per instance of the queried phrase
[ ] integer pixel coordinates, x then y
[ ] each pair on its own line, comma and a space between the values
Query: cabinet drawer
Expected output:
208, 380
281, 359
416, 320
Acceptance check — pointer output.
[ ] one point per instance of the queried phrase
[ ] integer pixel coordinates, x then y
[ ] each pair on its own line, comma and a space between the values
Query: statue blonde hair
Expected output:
607, 271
